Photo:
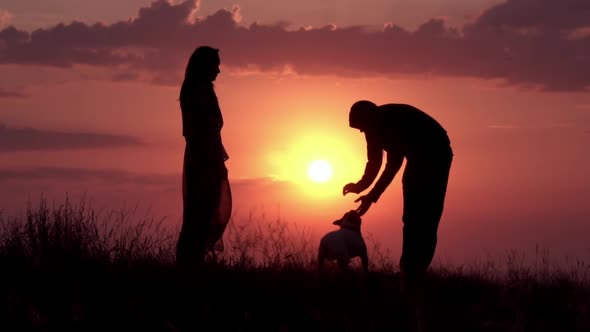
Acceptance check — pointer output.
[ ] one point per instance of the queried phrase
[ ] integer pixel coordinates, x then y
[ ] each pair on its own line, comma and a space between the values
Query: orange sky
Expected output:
519, 176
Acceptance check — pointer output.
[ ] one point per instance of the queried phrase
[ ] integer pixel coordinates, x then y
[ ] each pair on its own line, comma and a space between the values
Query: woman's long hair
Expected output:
197, 68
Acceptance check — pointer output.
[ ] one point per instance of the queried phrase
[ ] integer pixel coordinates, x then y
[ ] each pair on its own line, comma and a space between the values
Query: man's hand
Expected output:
366, 202
350, 188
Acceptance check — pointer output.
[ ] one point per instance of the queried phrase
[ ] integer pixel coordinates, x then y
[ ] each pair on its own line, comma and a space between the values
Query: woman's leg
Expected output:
200, 200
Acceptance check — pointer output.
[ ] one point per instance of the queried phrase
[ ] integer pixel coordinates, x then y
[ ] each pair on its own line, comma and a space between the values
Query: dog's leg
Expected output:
321, 260
365, 261
343, 264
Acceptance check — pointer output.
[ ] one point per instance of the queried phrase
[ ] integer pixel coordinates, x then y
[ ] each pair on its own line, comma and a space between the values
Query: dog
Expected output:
345, 243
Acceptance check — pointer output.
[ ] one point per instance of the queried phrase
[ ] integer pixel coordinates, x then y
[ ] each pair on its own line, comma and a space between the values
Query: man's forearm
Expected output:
372, 167
371, 171
391, 168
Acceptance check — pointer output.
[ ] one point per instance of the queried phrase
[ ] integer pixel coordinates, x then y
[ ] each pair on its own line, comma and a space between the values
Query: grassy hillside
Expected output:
70, 267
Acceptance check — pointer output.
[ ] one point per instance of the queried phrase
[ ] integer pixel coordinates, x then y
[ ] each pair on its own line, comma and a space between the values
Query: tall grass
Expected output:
75, 231
68, 265
70, 232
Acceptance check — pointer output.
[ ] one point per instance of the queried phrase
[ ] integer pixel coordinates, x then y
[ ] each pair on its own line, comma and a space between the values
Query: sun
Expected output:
319, 171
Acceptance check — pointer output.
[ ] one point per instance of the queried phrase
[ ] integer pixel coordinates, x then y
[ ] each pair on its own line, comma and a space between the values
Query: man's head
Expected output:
362, 114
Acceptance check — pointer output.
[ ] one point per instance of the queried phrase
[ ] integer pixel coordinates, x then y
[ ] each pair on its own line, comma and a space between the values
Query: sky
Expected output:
89, 106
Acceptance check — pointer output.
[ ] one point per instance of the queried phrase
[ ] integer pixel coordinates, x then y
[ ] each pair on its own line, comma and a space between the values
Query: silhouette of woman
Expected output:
205, 187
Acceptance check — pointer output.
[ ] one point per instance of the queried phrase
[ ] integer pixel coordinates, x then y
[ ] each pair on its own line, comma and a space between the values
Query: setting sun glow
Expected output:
319, 171
319, 163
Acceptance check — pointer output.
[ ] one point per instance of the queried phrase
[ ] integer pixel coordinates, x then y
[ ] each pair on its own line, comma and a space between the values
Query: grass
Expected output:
69, 267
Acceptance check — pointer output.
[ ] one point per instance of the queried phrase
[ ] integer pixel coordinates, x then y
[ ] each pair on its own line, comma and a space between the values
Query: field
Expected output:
69, 267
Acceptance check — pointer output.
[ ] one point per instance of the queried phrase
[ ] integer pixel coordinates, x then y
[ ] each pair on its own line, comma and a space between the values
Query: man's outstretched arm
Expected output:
372, 167
394, 163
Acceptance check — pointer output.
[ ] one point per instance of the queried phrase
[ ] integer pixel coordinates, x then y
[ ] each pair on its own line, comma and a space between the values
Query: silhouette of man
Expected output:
404, 131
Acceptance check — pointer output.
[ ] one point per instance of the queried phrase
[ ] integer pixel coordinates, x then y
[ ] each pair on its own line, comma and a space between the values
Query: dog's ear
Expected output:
341, 220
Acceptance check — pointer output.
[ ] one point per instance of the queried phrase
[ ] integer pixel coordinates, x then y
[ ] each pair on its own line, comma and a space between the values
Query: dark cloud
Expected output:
538, 14
125, 76
11, 94
30, 139
116, 188
111, 188
85, 174
115, 177
536, 43
260, 185
5, 17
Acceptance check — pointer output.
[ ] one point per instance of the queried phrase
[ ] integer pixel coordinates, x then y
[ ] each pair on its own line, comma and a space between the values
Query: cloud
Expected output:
260, 185
109, 188
116, 176
531, 43
85, 174
125, 76
62, 179
114, 188
30, 139
536, 127
5, 18
553, 15
11, 94
503, 126
119, 176
65, 177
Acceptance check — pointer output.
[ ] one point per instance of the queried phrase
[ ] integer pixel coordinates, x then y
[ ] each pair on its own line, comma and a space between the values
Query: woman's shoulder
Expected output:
198, 94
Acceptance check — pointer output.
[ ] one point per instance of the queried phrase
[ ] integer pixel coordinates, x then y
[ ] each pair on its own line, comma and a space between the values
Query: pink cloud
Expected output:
580, 33
5, 18
542, 14
31, 139
11, 94
125, 76
524, 42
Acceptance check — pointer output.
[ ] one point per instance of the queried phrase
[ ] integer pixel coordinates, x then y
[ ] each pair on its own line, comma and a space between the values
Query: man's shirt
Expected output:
403, 131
